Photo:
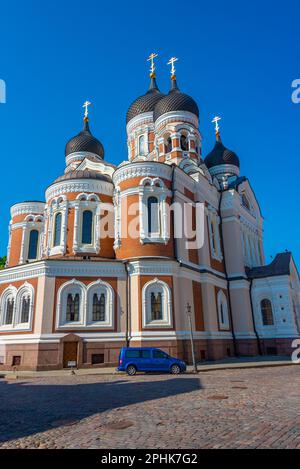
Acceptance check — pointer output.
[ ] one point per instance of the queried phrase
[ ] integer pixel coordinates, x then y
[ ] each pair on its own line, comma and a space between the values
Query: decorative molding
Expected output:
27, 207
142, 169
82, 185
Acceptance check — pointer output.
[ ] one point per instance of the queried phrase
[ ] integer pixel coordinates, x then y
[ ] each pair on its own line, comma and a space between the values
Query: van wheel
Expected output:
131, 370
175, 370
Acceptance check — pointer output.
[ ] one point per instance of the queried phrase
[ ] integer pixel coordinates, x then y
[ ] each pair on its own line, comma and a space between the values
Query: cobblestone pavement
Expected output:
256, 408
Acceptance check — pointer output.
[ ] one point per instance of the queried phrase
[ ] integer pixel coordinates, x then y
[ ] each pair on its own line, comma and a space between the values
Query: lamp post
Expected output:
189, 315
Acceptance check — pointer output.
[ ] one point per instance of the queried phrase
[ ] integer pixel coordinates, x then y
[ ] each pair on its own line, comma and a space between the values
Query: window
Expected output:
33, 244
168, 145
9, 311
213, 239
72, 307
97, 358
156, 307
153, 216
266, 312
57, 229
222, 310
25, 305
145, 354
132, 353
245, 202
184, 143
142, 146
157, 304
99, 307
159, 354
87, 227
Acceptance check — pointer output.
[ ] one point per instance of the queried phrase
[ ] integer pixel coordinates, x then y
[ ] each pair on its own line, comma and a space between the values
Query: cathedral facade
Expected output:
104, 262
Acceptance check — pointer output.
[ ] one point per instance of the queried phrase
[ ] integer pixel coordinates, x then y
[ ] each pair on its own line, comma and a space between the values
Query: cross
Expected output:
85, 105
215, 121
151, 59
171, 62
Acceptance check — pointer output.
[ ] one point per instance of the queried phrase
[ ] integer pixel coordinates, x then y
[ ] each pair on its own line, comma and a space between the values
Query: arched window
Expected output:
213, 236
142, 145
245, 202
72, 307
25, 309
222, 310
10, 303
156, 306
57, 229
168, 145
99, 307
153, 216
266, 312
33, 244
184, 143
87, 227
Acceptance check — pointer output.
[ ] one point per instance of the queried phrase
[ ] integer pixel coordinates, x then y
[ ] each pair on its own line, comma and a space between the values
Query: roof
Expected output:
175, 101
83, 174
85, 141
221, 155
279, 266
146, 102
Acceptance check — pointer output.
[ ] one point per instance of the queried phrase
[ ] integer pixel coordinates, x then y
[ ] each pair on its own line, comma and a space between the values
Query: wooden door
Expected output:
70, 353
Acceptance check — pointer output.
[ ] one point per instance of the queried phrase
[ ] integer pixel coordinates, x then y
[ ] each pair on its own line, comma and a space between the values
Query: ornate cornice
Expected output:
27, 207
142, 169
82, 185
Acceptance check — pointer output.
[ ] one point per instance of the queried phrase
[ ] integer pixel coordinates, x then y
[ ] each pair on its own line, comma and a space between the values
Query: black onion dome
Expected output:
145, 103
175, 101
83, 174
85, 141
221, 155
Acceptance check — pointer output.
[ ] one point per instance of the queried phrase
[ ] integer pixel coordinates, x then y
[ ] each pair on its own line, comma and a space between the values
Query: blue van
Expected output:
148, 359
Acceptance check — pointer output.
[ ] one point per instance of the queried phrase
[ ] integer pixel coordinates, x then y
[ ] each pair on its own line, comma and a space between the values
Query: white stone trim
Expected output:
17, 294
27, 207
79, 185
142, 169
156, 286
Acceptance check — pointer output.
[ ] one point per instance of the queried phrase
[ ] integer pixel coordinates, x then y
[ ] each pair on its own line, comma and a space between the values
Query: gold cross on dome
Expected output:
215, 121
151, 59
86, 105
171, 62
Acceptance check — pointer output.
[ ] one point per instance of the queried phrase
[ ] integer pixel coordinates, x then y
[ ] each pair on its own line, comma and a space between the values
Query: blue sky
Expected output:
237, 59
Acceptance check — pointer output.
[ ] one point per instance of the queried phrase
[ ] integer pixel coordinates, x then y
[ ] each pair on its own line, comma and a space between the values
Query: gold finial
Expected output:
171, 62
86, 112
215, 121
152, 67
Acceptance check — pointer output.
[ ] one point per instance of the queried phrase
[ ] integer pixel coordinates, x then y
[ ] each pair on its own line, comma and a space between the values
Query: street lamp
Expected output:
189, 315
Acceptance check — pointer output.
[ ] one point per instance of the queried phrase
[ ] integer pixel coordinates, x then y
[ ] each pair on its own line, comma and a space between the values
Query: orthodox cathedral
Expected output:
99, 265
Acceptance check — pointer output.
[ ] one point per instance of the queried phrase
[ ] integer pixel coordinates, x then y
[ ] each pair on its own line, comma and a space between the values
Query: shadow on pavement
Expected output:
27, 408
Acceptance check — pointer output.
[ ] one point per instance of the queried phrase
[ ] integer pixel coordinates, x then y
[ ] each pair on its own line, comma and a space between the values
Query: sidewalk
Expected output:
227, 364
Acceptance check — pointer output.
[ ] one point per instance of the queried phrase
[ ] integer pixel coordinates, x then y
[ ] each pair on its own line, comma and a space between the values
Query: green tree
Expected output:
2, 262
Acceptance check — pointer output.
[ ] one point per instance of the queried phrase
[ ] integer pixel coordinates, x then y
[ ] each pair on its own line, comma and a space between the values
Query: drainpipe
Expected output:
128, 303
253, 319
227, 278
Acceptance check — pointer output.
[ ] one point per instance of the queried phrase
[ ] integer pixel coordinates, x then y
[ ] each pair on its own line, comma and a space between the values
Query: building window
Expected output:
9, 311
99, 307
87, 227
142, 146
214, 235
33, 244
222, 310
168, 145
245, 202
156, 307
73, 302
57, 229
157, 304
184, 143
153, 216
25, 309
266, 312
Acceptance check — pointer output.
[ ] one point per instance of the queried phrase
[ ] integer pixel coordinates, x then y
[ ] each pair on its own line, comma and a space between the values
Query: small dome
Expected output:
83, 174
221, 155
85, 141
145, 103
175, 101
